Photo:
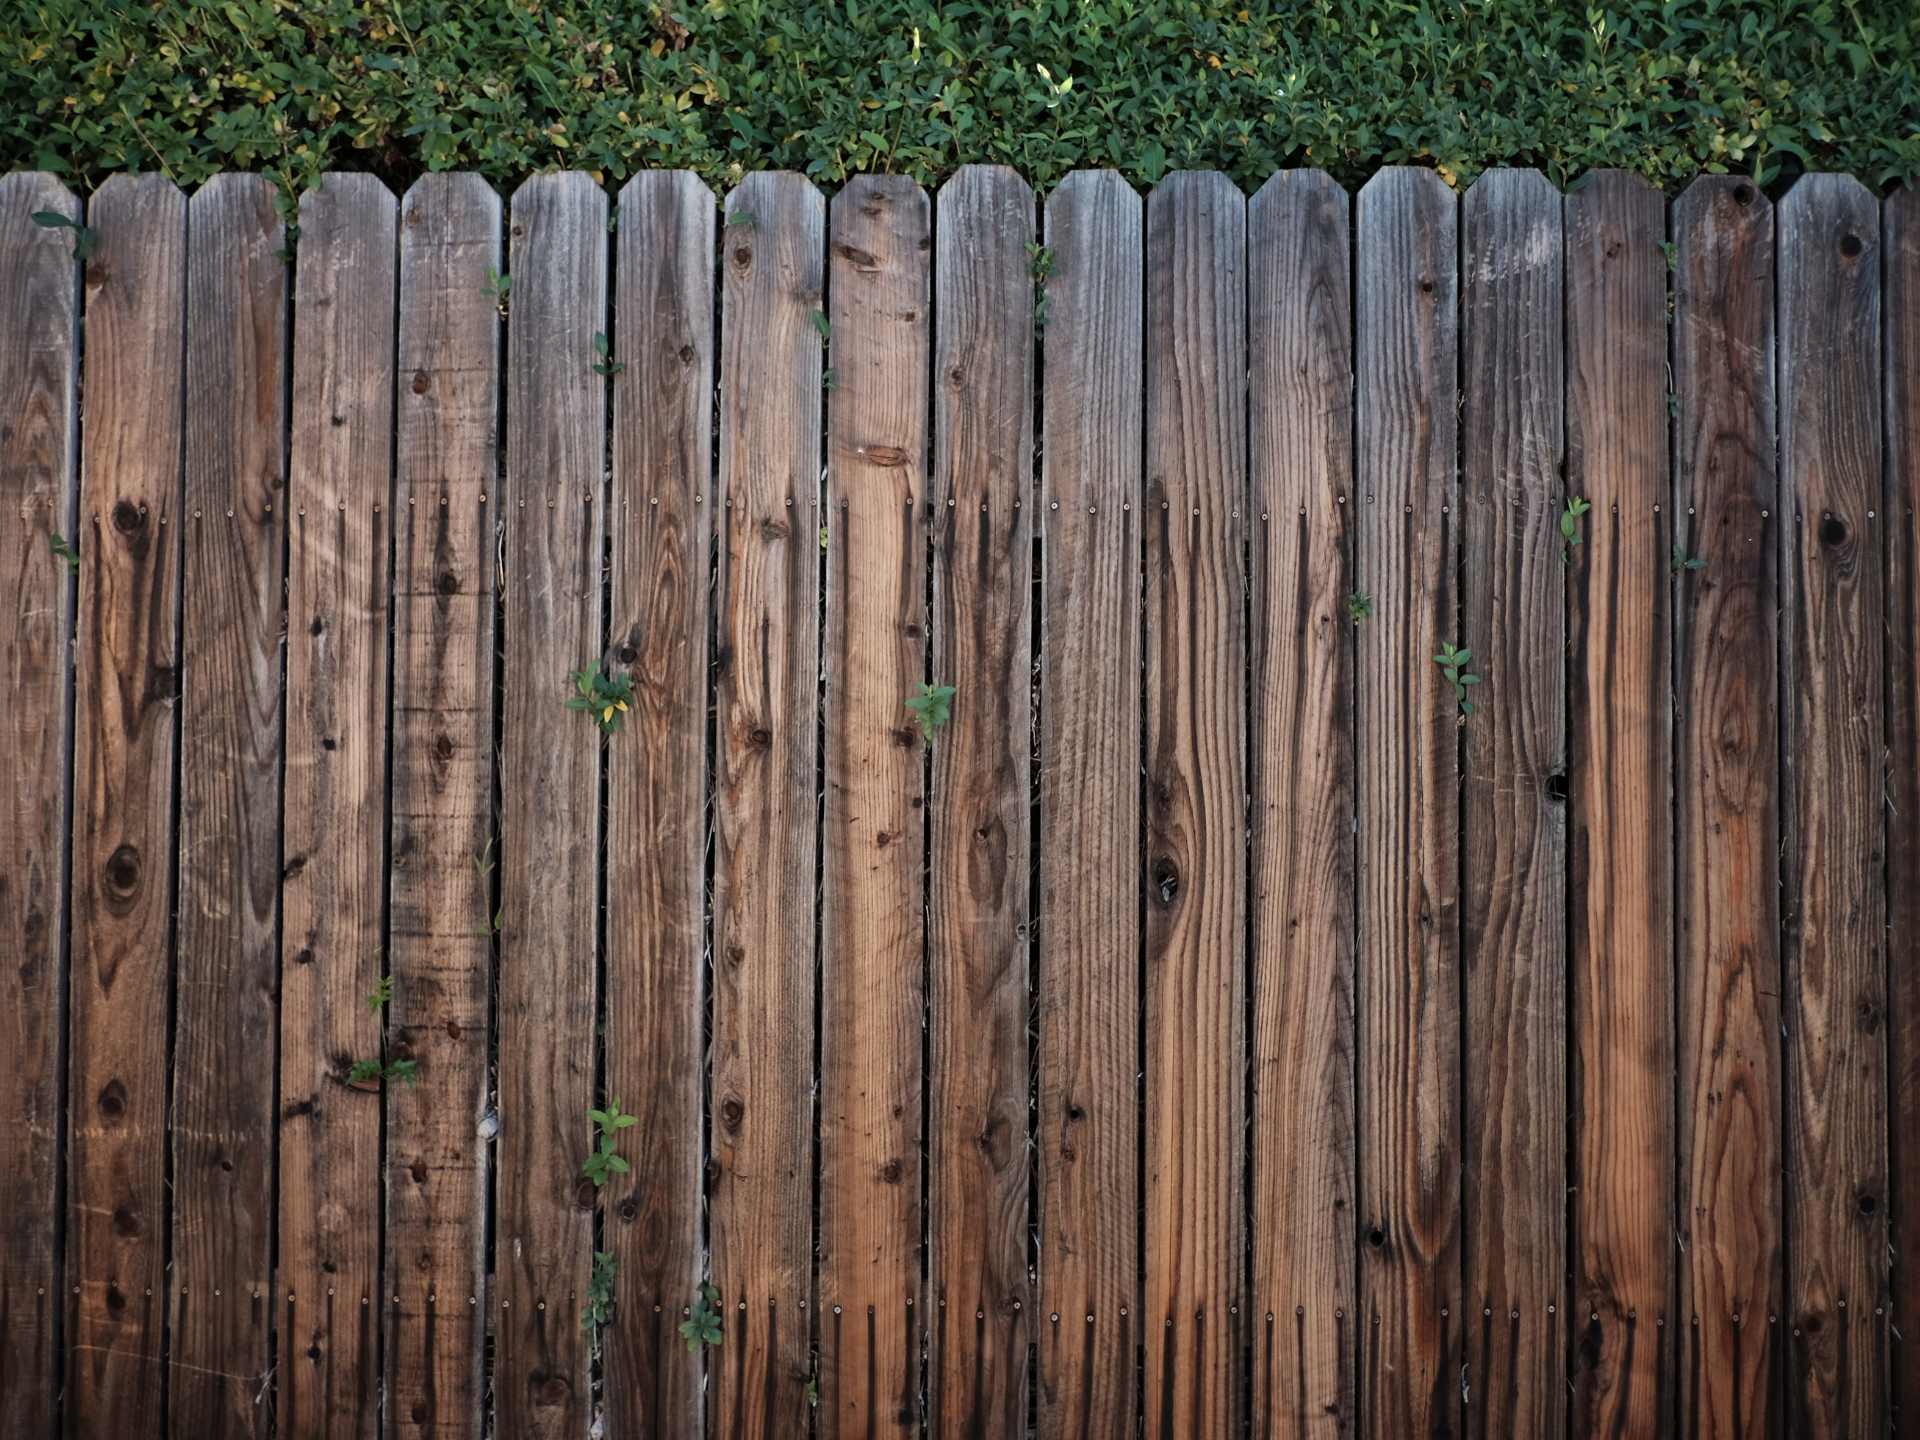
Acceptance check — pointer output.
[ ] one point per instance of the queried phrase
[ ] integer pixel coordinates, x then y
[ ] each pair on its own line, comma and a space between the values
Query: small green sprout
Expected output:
742, 217
67, 552
602, 1164
608, 366
823, 537
484, 861
382, 995
1569, 530
1681, 562
1453, 664
604, 696
489, 927
830, 378
702, 1327
365, 1070
1671, 249
593, 1314
823, 326
1039, 260
1359, 606
930, 708
84, 239
496, 290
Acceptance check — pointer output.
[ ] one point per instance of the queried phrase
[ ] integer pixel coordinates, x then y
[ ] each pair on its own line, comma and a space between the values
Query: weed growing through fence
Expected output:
1453, 665
604, 695
1569, 529
489, 926
383, 1069
930, 708
67, 552
1682, 563
484, 861
602, 1164
607, 365
823, 537
382, 995
1040, 266
1671, 249
830, 378
702, 1325
84, 239
742, 217
1359, 606
823, 327
593, 1314
496, 290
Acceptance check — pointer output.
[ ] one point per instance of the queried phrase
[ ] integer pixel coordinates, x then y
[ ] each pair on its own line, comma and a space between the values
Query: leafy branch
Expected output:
602, 1164
702, 1325
84, 239
1453, 665
930, 708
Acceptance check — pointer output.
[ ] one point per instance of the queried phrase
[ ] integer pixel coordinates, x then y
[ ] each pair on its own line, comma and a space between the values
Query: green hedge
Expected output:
512, 86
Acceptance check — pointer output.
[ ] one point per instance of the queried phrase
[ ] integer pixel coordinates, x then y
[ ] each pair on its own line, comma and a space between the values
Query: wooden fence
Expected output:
1215, 1031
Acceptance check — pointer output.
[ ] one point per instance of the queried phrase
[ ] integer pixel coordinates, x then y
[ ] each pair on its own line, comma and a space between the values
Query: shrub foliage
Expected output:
1765, 87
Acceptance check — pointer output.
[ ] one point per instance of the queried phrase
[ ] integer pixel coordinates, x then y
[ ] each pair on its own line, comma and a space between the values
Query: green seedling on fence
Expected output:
1039, 260
490, 926
830, 378
67, 552
84, 239
1671, 249
1359, 606
496, 290
930, 708
602, 1164
1569, 527
382, 995
742, 217
484, 861
823, 327
593, 1314
407, 1070
1453, 665
1682, 562
823, 537
1040, 266
604, 696
607, 365
702, 1325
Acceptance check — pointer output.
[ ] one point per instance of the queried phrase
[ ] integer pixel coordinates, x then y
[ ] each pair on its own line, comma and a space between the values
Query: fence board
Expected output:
662, 555
1409, 855
1089, 837
1900, 241
127, 683
1513, 884
1832, 753
39, 350
1726, 839
1620, 861
980, 870
873, 922
766, 698
445, 505
334, 840
1196, 648
228, 939
550, 812
1302, 789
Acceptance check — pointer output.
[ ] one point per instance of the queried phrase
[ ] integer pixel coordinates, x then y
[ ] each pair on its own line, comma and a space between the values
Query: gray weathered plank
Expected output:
1407, 749
1513, 882
1089, 910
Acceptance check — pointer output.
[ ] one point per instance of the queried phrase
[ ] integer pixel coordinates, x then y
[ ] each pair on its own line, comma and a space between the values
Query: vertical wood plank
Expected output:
980, 877
1302, 788
233, 616
873, 924
127, 685
550, 803
656, 859
39, 351
334, 842
1407, 747
1513, 881
1832, 796
1089, 910
1620, 858
445, 510
1196, 650
766, 675
1900, 242
1726, 836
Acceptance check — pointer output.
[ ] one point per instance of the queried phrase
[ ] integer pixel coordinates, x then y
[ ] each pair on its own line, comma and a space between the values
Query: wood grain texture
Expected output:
1513, 877
872, 985
1090, 901
662, 554
766, 699
1900, 246
1407, 750
39, 355
1302, 787
126, 693
1196, 822
445, 508
1726, 825
980, 491
1832, 771
550, 810
1620, 854
333, 842
227, 947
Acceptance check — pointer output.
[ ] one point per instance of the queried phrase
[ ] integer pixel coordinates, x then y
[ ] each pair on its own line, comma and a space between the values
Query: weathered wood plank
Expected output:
1196, 849
1513, 880
1900, 242
662, 556
978, 1157
334, 836
1407, 749
233, 617
873, 924
127, 683
1726, 825
1620, 857
1302, 805
39, 353
1089, 910
550, 805
443, 839
1832, 773
767, 669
